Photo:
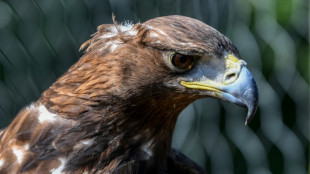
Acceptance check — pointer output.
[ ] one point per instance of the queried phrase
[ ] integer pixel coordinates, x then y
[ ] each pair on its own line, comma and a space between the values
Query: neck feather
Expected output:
138, 128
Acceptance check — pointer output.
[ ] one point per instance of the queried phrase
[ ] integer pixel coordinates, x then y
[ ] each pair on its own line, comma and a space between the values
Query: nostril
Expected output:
230, 77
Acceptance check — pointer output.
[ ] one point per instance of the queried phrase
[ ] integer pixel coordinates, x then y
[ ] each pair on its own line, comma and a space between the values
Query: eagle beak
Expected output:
238, 86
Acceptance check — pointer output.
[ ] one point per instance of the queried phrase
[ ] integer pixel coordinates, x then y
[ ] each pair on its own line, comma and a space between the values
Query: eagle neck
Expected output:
122, 128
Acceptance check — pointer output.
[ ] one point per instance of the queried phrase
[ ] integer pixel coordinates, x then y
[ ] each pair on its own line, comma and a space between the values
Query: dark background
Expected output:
40, 39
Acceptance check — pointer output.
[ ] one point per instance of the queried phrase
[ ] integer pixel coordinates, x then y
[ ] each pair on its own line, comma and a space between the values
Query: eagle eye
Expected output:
182, 61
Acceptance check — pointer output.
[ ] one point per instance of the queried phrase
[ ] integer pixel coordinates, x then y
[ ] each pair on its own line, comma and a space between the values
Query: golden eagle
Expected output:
114, 111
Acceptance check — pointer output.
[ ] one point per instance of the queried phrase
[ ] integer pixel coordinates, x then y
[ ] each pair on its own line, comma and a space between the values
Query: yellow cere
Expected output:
232, 58
232, 63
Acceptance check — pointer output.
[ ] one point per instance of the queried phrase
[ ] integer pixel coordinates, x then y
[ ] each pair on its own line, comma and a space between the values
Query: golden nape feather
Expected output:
114, 110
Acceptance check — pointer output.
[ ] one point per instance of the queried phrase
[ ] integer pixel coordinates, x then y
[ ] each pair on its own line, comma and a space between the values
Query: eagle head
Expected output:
176, 57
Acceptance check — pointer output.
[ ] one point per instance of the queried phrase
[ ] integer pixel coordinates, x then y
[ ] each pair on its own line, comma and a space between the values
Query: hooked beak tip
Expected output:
253, 103
244, 92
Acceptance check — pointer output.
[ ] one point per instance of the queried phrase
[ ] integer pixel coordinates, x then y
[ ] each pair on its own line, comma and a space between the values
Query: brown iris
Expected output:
181, 61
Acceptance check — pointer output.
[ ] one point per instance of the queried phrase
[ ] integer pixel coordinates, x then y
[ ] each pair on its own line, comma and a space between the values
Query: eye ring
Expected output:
182, 62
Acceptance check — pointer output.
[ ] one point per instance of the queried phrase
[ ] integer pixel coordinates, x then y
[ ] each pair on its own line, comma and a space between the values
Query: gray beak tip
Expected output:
253, 103
250, 115
244, 92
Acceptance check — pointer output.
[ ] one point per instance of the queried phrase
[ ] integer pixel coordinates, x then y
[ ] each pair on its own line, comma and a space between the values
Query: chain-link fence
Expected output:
40, 39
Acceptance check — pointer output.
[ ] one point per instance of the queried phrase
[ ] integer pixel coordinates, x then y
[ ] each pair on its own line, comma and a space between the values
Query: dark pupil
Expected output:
183, 59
